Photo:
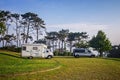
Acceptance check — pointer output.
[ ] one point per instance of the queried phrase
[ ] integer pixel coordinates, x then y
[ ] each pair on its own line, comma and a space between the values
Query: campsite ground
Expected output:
13, 67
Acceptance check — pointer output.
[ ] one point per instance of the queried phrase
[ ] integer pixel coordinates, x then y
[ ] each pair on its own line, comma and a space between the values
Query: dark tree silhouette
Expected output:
100, 43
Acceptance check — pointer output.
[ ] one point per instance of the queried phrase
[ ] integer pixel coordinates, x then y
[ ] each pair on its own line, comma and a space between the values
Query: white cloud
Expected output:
92, 29
113, 33
77, 27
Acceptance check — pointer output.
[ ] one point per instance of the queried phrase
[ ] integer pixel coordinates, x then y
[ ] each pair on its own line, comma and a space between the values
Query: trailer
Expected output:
36, 50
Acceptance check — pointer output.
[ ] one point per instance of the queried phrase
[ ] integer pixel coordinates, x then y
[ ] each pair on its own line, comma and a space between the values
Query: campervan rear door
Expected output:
25, 51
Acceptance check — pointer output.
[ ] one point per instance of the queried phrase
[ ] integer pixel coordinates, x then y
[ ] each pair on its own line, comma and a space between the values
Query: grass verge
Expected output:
71, 68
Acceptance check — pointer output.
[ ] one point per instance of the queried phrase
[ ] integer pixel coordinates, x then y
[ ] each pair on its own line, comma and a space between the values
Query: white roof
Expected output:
34, 45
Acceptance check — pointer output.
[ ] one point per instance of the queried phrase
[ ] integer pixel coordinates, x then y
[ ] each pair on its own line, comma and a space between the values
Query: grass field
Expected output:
13, 67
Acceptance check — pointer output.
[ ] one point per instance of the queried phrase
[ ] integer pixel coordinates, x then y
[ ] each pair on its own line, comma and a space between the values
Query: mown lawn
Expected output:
70, 68
12, 63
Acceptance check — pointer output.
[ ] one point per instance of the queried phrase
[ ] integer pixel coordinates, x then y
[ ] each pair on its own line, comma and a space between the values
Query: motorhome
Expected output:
36, 50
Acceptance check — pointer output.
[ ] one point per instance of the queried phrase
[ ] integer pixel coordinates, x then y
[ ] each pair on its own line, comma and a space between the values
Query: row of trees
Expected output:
63, 39
22, 25
27, 26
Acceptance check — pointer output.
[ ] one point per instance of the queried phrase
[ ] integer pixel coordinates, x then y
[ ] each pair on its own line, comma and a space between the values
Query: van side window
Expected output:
79, 51
35, 48
23, 48
82, 51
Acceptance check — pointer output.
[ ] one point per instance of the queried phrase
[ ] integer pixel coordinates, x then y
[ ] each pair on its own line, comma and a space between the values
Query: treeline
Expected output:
19, 28
63, 41
28, 26
60, 41
115, 52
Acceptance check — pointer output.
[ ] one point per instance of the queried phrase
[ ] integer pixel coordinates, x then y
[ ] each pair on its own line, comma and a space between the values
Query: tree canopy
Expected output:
100, 42
2, 28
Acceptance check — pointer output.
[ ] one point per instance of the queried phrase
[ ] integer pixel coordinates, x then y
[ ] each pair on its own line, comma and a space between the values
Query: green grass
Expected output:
71, 68
12, 63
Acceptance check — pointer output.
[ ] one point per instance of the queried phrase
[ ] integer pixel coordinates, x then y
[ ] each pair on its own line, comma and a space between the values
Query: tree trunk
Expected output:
70, 46
101, 53
27, 33
59, 45
37, 34
17, 33
53, 45
3, 43
24, 36
62, 45
19, 41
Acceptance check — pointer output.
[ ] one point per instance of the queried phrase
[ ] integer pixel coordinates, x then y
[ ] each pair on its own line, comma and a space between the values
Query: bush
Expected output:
115, 53
65, 53
56, 53
18, 49
11, 48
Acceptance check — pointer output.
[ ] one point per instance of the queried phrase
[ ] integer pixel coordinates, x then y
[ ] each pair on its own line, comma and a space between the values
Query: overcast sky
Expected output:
75, 15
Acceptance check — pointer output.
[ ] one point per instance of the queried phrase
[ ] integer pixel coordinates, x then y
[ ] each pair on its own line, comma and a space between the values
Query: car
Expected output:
79, 52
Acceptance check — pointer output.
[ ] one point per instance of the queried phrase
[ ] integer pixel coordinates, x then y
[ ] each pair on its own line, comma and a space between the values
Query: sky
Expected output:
76, 15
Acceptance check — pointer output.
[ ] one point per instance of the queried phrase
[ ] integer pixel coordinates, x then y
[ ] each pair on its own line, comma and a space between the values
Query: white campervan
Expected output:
79, 52
36, 50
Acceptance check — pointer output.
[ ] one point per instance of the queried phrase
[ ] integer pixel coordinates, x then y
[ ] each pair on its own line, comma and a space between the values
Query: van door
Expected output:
82, 52
46, 53
87, 52
25, 52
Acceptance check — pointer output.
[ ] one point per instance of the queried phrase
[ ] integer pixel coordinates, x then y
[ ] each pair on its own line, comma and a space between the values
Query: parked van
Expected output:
36, 50
78, 52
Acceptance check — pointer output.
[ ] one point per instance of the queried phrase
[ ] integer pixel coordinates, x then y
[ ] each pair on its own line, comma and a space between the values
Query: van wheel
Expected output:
30, 57
48, 57
76, 56
92, 56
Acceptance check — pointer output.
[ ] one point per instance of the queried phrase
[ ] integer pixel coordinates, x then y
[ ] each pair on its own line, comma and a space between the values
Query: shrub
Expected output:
11, 48
65, 53
114, 53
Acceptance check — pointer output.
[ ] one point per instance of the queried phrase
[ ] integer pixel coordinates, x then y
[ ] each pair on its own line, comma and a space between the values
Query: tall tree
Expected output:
2, 28
52, 37
62, 35
70, 39
9, 38
100, 42
28, 19
23, 31
5, 18
2, 31
81, 39
38, 24
16, 20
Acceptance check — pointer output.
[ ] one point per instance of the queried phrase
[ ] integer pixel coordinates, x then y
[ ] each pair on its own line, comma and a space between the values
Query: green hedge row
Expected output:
11, 48
65, 53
